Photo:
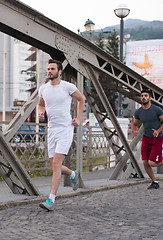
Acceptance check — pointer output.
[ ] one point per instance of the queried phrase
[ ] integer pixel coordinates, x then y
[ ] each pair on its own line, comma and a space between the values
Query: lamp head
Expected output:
122, 11
89, 26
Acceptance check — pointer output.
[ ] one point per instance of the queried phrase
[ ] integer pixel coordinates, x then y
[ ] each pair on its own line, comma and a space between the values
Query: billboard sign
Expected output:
146, 58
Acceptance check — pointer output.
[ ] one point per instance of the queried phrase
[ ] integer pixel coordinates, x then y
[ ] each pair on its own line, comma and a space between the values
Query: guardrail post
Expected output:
67, 181
160, 169
90, 148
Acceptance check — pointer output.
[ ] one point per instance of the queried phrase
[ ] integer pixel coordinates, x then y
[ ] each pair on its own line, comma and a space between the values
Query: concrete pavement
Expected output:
103, 210
126, 212
93, 181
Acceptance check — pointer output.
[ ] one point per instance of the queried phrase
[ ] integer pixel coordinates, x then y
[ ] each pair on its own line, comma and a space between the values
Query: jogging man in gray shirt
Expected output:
151, 150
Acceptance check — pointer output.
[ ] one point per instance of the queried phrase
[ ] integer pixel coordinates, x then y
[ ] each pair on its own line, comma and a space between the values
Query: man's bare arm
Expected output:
157, 131
135, 127
81, 102
41, 109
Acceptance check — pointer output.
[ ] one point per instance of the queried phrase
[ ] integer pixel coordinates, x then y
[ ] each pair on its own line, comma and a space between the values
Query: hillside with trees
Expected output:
138, 29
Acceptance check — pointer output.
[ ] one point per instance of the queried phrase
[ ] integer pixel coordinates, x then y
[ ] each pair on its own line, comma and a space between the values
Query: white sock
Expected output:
72, 175
52, 197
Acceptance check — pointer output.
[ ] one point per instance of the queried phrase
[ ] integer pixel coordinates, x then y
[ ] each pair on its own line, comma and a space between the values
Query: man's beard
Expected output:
53, 77
145, 103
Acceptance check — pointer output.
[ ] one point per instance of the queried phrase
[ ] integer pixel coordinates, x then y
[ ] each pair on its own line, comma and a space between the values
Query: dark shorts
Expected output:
151, 148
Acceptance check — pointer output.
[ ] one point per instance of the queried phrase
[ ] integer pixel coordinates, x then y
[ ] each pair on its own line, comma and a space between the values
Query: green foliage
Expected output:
145, 33
95, 162
100, 42
1, 178
113, 44
40, 173
112, 47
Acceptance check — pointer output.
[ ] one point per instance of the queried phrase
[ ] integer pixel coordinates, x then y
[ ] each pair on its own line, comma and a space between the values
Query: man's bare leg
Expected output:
154, 164
149, 170
56, 164
66, 170
58, 169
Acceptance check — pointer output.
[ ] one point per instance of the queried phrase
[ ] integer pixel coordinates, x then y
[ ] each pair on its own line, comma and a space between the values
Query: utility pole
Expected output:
4, 84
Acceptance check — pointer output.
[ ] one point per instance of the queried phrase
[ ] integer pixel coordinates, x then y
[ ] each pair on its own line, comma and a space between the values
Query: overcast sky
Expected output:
73, 14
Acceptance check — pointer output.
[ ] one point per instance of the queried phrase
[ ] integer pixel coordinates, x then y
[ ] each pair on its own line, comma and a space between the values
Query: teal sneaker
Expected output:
75, 181
48, 204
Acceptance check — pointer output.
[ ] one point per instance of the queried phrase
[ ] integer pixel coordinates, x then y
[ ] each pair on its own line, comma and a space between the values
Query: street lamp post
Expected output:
121, 11
4, 85
89, 26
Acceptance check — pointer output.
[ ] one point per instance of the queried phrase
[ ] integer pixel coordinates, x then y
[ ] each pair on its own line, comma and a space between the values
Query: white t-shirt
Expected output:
57, 100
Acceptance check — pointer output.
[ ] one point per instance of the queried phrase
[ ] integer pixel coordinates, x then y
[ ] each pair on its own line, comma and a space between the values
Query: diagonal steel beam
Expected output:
17, 168
121, 164
93, 76
109, 134
8, 175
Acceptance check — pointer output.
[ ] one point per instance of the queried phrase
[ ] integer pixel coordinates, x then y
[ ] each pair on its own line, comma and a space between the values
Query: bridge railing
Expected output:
31, 149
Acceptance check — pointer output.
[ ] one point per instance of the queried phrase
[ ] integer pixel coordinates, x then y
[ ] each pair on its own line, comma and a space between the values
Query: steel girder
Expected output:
122, 146
32, 27
11, 165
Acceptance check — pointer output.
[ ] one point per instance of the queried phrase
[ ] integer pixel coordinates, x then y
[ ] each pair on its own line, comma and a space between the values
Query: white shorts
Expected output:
60, 140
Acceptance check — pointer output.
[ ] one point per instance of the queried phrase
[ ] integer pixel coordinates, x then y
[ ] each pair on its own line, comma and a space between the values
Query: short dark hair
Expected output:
147, 91
59, 64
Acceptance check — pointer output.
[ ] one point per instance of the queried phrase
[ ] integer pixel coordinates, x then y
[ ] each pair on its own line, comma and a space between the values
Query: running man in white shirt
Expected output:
55, 98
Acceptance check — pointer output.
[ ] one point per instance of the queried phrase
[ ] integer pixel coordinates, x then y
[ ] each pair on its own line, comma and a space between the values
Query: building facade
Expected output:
18, 76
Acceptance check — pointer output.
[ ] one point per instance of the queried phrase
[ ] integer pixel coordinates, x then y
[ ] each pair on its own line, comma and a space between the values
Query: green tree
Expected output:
142, 33
112, 47
100, 41
113, 44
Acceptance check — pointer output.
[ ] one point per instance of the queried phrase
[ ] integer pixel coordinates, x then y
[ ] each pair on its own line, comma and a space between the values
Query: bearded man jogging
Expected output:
55, 98
151, 149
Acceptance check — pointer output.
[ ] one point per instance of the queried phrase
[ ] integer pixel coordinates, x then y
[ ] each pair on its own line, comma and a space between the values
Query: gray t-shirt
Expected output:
150, 119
